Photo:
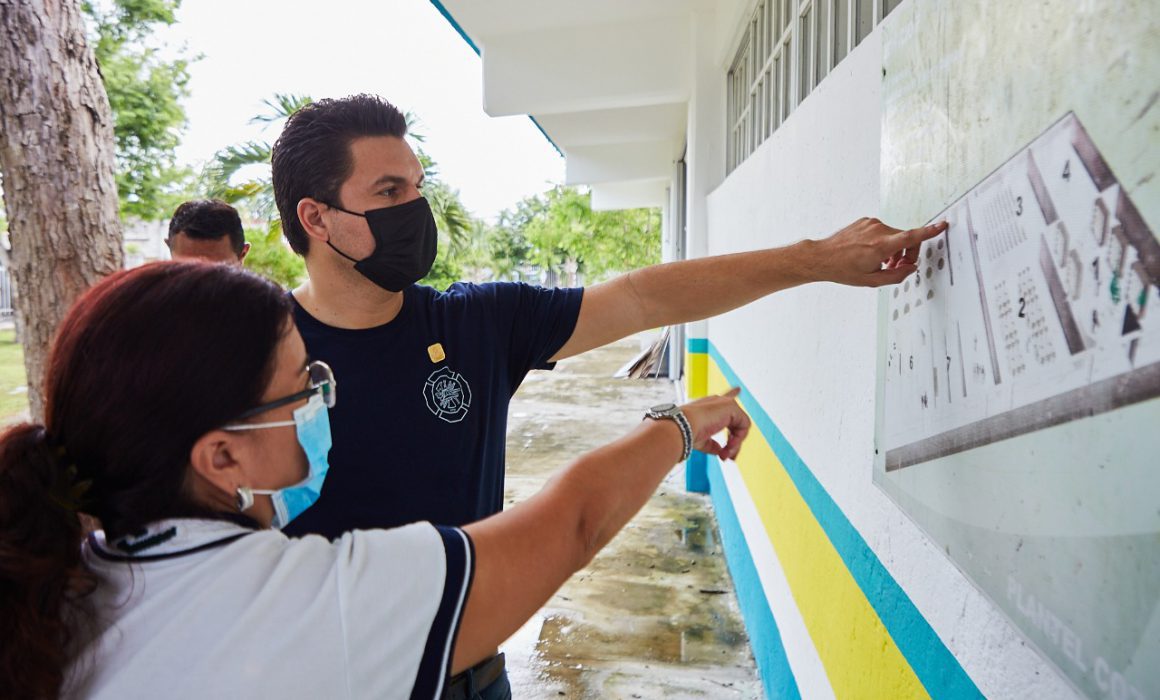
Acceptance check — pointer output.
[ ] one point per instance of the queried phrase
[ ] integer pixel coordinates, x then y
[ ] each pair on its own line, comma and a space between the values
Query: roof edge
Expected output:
455, 25
462, 33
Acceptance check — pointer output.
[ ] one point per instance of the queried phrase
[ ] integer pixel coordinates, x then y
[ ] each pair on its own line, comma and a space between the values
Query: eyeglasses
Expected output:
321, 383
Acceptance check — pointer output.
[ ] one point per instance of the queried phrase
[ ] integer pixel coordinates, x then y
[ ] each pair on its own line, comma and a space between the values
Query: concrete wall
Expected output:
842, 593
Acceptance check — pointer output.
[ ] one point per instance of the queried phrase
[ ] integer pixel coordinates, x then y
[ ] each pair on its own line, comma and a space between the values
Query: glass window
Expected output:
841, 29
760, 25
771, 10
805, 83
760, 84
822, 42
776, 91
864, 20
785, 74
769, 99
758, 106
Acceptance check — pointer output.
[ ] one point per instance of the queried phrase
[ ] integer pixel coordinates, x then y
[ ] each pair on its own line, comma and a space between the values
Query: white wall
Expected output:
705, 151
808, 354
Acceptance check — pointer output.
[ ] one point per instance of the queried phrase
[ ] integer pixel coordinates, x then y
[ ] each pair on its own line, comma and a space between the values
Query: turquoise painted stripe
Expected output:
558, 151
696, 478
697, 345
937, 669
764, 637
455, 25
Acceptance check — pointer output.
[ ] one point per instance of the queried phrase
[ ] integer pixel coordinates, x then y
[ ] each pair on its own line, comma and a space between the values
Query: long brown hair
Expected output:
145, 363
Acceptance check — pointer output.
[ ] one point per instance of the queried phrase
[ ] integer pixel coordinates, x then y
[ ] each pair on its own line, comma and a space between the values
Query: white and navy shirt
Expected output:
210, 609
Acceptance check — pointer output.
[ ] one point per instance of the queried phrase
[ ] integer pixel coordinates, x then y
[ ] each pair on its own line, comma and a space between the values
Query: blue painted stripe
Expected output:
764, 638
455, 25
459, 29
696, 478
937, 669
558, 151
697, 345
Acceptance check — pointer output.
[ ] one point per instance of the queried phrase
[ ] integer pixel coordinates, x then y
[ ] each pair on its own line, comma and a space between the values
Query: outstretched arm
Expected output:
866, 253
524, 554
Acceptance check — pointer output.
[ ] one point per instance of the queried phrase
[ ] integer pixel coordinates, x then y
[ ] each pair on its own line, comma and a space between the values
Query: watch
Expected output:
673, 412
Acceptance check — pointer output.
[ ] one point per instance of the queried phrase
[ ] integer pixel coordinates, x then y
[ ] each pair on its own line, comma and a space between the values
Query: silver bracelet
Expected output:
673, 412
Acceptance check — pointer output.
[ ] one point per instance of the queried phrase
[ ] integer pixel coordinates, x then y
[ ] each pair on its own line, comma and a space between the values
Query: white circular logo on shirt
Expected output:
448, 395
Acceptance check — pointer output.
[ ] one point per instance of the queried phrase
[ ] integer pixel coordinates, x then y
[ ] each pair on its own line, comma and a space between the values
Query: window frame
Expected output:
787, 48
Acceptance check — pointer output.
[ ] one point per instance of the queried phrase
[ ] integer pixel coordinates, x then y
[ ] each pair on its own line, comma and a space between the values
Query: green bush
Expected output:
272, 258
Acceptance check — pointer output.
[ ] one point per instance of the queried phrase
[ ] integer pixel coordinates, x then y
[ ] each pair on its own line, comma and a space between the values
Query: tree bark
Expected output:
57, 158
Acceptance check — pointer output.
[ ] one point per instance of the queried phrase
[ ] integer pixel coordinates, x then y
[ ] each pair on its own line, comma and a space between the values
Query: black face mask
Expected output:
405, 243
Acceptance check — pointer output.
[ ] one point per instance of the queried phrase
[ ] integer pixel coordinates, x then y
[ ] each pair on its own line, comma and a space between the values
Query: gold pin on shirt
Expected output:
435, 352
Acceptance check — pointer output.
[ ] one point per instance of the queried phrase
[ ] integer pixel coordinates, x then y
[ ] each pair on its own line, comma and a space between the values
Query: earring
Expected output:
245, 498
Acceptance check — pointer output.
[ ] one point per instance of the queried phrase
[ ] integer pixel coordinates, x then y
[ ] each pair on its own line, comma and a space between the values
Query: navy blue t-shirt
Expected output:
417, 437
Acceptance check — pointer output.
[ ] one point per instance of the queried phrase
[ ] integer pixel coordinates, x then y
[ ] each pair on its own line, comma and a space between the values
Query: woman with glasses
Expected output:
183, 414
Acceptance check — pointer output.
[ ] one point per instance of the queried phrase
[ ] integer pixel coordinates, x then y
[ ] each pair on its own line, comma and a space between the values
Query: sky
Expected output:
403, 50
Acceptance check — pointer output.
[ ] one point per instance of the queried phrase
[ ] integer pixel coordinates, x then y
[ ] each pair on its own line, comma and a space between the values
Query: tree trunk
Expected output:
57, 159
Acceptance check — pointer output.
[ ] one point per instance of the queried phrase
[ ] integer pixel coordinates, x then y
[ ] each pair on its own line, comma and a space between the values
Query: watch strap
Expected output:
676, 415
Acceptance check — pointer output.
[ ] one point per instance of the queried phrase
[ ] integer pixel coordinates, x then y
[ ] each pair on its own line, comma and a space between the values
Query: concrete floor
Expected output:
654, 615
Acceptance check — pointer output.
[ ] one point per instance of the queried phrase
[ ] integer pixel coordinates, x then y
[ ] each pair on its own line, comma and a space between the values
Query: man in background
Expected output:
207, 229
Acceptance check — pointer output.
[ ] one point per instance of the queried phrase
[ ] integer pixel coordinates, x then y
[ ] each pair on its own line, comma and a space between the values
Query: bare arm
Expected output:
524, 554
866, 253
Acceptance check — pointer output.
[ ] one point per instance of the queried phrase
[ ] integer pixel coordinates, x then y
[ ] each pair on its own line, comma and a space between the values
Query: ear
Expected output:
245, 249
214, 459
310, 215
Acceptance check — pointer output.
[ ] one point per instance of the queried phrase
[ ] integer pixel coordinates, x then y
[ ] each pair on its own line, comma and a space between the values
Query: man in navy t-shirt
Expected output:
426, 376
419, 433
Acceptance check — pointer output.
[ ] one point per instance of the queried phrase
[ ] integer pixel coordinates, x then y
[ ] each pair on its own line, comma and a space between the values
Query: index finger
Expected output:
737, 432
910, 239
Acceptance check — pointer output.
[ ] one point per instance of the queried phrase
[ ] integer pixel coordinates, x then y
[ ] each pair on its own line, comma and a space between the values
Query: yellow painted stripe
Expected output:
859, 655
696, 374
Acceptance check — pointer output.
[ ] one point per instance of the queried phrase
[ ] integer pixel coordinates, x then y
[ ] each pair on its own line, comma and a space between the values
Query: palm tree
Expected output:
258, 190
451, 217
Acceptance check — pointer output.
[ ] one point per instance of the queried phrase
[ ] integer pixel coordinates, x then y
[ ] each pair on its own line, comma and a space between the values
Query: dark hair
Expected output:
311, 158
145, 363
208, 219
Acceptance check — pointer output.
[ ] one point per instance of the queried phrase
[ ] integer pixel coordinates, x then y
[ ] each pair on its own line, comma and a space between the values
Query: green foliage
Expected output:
281, 105
255, 193
555, 232
145, 92
558, 229
507, 249
270, 257
447, 269
13, 381
451, 217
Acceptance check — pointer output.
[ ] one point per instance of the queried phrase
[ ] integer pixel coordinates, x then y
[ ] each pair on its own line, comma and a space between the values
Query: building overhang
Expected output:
607, 81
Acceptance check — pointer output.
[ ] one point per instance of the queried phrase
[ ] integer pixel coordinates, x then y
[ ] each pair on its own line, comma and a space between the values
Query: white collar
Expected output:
168, 538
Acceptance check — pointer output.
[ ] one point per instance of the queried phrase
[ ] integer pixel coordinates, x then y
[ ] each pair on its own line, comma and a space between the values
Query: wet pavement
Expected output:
654, 615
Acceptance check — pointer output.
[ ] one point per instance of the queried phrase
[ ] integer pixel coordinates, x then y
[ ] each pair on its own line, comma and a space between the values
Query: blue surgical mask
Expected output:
312, 423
